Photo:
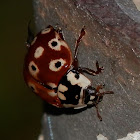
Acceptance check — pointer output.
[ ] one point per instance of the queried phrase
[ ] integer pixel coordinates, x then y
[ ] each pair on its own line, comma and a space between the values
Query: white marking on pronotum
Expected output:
52, 64
62, 88
92, 97
38, 52
61, 96
50, 128
132, 136
46, 31
33, 69
34, 40
101, 137
82, 81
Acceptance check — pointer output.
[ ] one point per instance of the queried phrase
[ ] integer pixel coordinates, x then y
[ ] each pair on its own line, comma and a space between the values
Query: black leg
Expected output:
100, 95
98, 114
90, 71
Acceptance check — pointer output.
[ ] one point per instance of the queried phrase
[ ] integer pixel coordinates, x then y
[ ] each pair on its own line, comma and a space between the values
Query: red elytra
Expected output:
51, 73
48, 49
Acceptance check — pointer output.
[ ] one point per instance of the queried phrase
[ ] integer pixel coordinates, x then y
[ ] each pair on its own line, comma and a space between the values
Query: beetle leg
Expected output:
98, 114
30, 36
75, 61
90, 71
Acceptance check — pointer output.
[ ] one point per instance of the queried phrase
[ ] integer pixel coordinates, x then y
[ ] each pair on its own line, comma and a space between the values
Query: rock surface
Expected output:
113, 38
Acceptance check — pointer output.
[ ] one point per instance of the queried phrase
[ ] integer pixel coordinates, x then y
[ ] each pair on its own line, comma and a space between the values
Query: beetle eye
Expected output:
33, 69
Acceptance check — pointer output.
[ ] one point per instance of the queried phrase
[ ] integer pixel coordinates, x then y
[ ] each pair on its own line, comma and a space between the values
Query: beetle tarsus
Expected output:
98, 114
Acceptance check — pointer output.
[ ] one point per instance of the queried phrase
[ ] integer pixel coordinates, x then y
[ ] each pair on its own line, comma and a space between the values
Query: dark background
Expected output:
20, 110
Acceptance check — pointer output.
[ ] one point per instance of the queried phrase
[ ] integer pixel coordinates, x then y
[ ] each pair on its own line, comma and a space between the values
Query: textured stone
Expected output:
113, 38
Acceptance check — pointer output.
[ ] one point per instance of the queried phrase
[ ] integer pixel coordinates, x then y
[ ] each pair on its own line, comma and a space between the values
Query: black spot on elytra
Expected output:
33, 68
58, 64
72, 92
54, 43
32, 88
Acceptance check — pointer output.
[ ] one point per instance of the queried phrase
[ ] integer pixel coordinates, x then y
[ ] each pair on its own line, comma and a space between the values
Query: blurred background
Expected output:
20, 109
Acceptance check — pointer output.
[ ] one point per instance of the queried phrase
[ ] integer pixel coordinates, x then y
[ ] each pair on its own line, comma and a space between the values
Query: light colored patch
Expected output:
41, 137
53, 62
62, 42
61, 96
82, 81
52, 93
62, 88
92, 97
90, 103
101, 137
137, 3
74, 106
79, 107
34, 40
46, 31
38, 52
32, 86
76, 97
33, 72
53, 85
132, 136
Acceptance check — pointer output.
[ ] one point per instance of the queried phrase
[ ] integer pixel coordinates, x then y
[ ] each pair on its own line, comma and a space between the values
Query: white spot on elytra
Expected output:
61, 96
101, 137
46, 31
33, 69
54, 44
132, 136
52, 64
52, 93
34, 40
57, 43
38, 52
53, 85
62, 88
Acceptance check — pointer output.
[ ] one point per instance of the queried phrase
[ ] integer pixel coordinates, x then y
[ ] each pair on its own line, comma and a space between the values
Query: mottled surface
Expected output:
112, 38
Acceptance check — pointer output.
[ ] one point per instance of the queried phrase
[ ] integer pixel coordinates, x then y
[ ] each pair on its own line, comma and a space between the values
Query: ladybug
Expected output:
54, 75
